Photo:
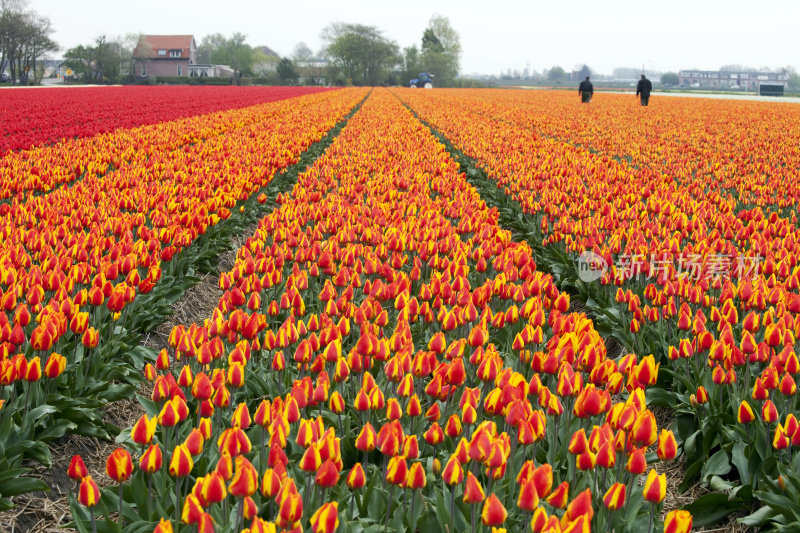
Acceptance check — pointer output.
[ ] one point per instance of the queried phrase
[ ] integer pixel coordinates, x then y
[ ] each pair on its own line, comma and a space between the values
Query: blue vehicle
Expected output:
425, 80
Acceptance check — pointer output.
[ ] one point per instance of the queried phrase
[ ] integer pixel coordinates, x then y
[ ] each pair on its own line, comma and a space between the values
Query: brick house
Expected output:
164, 55
718, 79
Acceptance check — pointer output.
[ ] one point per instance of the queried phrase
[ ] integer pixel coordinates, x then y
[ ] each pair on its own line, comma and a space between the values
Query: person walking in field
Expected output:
586, 90
643, 90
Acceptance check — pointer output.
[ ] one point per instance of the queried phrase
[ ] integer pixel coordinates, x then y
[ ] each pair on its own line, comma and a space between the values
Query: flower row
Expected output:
32, 117
381, 335
728, 334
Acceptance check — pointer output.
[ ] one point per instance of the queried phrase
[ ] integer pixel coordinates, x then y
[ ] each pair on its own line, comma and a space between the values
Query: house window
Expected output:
180, 70
144, 70
174, 53
162, 52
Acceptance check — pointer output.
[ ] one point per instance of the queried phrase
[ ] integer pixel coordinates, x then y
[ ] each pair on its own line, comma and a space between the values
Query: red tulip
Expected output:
88, 493
327, 475
614, 497
326, 518
152, 459
77, 469
245, 480
655, 487
119, 465
473, 492
181, 463
494, 513
356, 478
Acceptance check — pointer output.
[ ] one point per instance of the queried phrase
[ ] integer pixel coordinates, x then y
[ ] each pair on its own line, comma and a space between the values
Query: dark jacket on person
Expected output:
586, 87
644, 87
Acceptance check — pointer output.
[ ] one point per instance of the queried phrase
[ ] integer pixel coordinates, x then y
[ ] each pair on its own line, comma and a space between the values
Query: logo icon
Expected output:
591, 266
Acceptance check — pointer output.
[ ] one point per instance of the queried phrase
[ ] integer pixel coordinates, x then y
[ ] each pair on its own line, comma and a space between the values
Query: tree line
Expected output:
24, 41
362, 55
352, 54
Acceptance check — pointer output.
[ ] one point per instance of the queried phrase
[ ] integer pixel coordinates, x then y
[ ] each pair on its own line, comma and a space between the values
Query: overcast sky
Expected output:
495, 35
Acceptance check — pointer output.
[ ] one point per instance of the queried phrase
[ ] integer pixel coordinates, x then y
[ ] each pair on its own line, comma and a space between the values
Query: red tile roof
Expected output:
149, 45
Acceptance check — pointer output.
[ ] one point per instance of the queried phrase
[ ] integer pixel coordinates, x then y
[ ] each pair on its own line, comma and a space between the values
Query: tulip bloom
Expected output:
453, 473
327, 475
356, 478
181, 463
678, 521
667, 446
528, 499
581, 505
494, 513
89, 493
326, 518
143, 430
55, 366
416, 479
290, 510
119, 465
655, 487
745, 414
152, 459
163, 526
245, 480
614, 497
559, 497
396, 470
644, 429
77, 469
473, 492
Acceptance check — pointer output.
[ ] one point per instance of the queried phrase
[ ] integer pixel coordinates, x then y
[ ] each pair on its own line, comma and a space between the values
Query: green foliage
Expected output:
556, 74
286, 71
431, 43
190, 80
669, 78
441, 51
97, 63
24, 41
361, 53
411, 64
232, 51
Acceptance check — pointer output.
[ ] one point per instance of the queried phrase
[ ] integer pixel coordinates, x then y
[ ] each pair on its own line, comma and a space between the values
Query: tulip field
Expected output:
453, 310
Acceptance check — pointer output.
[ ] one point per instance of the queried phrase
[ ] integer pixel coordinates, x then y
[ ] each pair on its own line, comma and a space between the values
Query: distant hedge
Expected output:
191, 80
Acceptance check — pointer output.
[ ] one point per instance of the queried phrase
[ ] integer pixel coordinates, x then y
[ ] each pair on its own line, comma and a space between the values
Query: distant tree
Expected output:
302, 53
794, 78
556, 73
127, 44
669, 78
360, 52
95, 63
286, 71
24, 41
431, 42
441, 50
209, 45
582, 73
232, 51
264, 65
410, 63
